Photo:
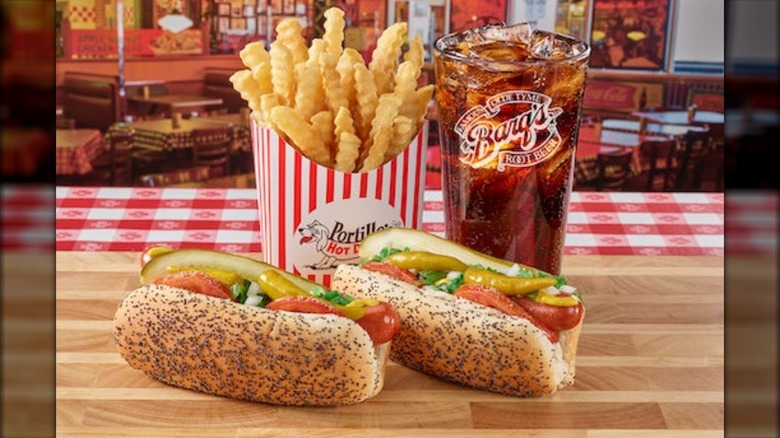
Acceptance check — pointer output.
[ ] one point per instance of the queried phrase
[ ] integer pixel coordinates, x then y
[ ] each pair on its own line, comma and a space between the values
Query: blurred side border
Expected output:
27, 161
751, 335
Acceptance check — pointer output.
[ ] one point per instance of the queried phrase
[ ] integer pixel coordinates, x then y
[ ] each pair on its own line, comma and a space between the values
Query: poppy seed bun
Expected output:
220, 347
457, 340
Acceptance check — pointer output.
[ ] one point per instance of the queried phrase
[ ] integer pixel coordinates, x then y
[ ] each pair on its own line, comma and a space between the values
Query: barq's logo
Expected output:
338, 245
531, 136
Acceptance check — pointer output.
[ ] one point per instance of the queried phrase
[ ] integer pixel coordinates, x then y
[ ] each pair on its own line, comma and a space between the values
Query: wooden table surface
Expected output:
650, 363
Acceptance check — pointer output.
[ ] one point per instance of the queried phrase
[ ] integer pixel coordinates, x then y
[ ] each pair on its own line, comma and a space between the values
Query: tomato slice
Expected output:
491, 297
152, 252
302, 304
197, 282
381, 322
392, 271
556, 317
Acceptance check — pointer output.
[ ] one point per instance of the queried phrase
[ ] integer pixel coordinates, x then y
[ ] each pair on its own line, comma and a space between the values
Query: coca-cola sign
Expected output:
528, 137
610, 95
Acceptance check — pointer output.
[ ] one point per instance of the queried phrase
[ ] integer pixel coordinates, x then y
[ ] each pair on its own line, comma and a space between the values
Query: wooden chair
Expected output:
113, 167
656, 159
242, 161
689, 158
714, 168
216, 83
92, 100
148, 161
613, 170
211, 147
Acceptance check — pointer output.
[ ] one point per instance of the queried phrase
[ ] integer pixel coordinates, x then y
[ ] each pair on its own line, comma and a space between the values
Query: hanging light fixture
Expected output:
175, 21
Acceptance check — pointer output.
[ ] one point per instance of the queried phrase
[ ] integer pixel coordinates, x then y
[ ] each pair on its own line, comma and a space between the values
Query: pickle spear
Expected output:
206, 260
421, 241
203, 259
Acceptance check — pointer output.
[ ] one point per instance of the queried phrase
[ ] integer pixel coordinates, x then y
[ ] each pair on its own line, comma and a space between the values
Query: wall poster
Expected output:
629, 34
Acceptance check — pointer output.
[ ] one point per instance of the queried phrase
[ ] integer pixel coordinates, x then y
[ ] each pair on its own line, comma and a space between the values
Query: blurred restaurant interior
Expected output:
131, 91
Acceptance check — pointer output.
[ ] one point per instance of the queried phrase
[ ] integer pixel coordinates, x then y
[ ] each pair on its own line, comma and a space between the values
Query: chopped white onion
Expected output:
568, 289
453, 275
514, 271
254, 289
550, 290
253, 300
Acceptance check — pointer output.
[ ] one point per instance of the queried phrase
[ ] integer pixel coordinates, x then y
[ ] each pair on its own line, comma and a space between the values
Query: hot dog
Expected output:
232, 326
467, 317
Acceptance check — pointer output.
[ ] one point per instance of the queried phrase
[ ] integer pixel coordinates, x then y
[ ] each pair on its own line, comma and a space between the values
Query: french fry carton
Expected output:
313, 218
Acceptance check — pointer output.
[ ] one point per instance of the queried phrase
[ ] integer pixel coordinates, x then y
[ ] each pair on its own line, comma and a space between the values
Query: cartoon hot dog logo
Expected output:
324, 240
523, 140
338, 245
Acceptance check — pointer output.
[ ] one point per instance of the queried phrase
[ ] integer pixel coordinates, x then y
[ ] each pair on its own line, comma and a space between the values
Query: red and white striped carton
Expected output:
313, 218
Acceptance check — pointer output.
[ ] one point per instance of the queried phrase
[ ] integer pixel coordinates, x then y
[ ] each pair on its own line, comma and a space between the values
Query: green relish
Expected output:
429, 278
332, 296
445, 282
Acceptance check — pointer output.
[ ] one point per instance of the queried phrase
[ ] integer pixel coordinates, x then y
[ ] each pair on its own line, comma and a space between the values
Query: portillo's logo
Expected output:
523, 140
337, 244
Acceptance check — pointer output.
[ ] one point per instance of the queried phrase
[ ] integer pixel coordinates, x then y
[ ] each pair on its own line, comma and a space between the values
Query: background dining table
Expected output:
76, 148
169, 104
650, 128
592, 141
681, 117
161, 135
638, 371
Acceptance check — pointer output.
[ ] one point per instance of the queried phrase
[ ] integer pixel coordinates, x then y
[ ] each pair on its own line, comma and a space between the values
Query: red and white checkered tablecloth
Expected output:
129, 219
76, 148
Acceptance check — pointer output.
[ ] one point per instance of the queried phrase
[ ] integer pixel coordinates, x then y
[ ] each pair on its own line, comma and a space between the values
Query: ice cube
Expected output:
501, 51
472, 37
547, 45
518, 33
543, 46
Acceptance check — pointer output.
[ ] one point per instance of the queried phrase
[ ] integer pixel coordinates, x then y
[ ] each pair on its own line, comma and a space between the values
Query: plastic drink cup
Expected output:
509, 100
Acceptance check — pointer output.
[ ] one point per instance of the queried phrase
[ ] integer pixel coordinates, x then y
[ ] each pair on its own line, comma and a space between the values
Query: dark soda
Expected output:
509, 105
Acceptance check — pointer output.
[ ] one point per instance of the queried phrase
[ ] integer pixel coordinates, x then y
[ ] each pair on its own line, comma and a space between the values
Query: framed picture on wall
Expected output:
238, 24
465, 15
276, 6
223, 8
224, 24
629, 35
